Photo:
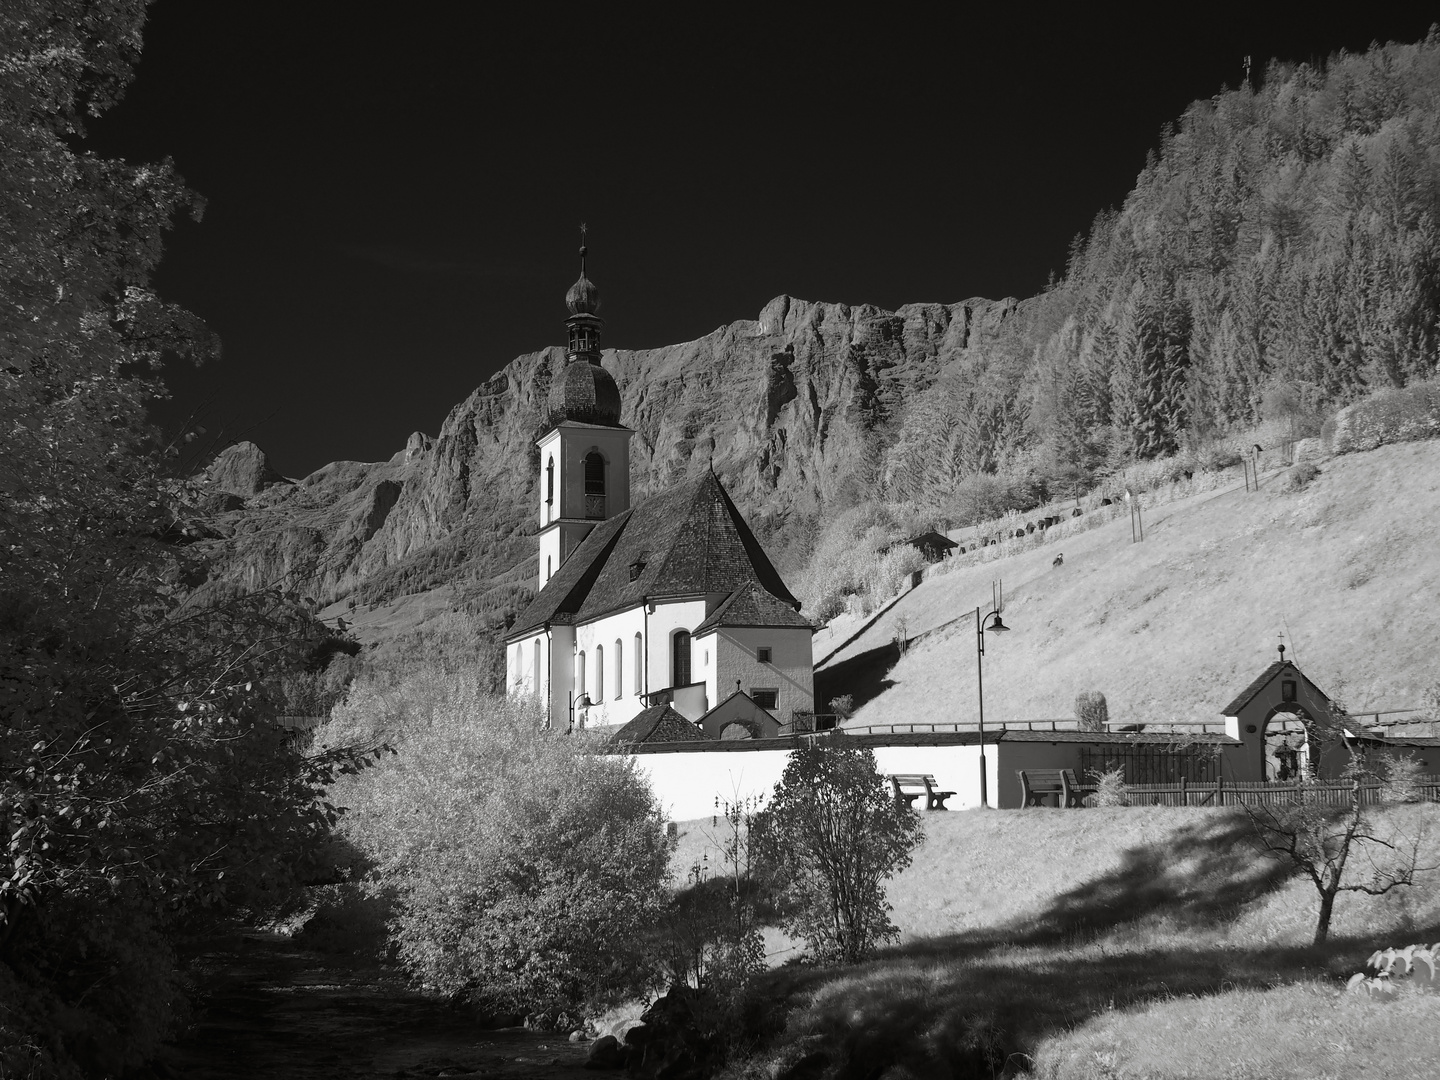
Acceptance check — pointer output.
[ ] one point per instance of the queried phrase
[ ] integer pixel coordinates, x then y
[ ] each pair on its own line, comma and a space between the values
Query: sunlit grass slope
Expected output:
1173, 627
1115, 943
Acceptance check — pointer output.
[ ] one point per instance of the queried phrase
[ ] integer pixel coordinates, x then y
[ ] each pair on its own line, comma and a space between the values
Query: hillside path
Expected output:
273, 1009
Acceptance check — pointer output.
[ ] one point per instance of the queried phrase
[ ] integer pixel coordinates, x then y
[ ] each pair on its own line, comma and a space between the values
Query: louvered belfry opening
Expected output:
595, 485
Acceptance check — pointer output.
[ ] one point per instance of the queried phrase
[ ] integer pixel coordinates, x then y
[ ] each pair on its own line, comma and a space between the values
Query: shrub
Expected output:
1402, 780
1390, 416
1297, 477
834, 834
1091, 711
524, 869
1109, 787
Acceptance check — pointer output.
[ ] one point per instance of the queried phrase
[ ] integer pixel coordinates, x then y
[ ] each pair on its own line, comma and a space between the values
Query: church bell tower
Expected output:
585, 454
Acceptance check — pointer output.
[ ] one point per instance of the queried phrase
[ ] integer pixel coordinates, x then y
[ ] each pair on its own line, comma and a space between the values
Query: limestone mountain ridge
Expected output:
793, 409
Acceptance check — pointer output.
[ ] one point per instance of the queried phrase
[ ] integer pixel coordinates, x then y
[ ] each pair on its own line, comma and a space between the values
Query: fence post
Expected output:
1220, 790
1184, 791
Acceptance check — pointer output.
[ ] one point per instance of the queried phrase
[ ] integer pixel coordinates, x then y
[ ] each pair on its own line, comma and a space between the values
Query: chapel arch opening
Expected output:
1286, 736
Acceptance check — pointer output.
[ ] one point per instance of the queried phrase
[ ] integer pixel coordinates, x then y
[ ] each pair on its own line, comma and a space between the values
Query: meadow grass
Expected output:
1172, 628
1124, 942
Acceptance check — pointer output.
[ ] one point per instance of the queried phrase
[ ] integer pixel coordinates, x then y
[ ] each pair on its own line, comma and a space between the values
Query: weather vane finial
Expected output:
1281, 636
583, 230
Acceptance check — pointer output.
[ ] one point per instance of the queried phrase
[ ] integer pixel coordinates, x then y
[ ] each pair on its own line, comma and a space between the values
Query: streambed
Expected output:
269, 1008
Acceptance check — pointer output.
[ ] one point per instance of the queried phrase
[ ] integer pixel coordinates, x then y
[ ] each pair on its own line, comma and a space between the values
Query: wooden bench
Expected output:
1037, 785
910, 786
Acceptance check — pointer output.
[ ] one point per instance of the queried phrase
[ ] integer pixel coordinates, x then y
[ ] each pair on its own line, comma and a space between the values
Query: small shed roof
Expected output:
932, 539
660, 724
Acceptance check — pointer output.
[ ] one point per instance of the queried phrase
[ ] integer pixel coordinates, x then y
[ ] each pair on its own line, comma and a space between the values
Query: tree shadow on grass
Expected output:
863, 676
964, 1004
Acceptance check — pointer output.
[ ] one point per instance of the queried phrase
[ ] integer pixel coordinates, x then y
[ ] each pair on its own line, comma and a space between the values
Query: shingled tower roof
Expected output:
688, 541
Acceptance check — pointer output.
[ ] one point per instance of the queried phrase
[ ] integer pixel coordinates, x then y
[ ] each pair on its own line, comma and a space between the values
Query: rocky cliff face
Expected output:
793, 408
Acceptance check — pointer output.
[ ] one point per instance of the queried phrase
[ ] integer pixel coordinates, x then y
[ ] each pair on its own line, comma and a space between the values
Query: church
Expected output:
666, 617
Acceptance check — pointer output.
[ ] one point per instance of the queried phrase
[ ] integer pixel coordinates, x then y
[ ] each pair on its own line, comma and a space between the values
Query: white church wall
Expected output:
688, 782
558, 663
668, 617
788, 671
523, 676
621, 701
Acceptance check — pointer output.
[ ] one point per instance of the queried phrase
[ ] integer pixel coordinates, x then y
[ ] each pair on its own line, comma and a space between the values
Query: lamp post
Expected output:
582, 702
994, 625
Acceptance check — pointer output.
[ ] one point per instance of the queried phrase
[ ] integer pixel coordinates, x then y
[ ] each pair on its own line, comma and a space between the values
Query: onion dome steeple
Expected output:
584, 391
584, 323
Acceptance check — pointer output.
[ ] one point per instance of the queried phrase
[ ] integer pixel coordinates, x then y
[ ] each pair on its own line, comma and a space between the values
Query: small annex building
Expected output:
933, 546
1281, 719
671, 603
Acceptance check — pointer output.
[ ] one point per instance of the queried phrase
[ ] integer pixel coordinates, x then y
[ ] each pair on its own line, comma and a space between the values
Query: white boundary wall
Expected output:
688, 783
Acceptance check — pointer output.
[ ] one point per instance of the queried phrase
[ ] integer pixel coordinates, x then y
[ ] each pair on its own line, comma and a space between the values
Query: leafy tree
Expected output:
141, 778
1320, 841
835, 834
525, 870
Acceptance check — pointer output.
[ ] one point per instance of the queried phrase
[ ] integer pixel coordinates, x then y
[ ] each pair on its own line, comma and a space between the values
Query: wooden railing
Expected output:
1259, 792
931, 727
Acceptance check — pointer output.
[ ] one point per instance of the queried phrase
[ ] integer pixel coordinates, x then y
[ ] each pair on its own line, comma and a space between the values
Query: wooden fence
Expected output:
1258, 792
1151, 764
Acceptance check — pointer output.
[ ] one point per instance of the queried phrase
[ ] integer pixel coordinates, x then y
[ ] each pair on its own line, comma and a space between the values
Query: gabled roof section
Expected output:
691, 540
750, 605
659, 723
932, 539
1263, 680
561, 598
688, 541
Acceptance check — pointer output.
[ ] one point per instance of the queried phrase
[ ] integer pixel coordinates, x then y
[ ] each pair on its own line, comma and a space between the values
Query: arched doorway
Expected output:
1286, 732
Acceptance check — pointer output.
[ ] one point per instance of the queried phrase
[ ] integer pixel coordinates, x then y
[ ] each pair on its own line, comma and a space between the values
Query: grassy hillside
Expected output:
1174, 627
1117, 943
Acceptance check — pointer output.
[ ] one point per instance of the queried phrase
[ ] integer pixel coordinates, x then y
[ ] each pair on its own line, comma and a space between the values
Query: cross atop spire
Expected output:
583, 231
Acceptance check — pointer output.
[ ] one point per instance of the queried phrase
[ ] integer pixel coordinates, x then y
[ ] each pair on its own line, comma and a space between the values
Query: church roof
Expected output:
688, 541
750, 605
659, 723
1263, 680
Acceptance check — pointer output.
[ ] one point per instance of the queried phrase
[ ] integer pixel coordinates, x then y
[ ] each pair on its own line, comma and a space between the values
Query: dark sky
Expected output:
394, 196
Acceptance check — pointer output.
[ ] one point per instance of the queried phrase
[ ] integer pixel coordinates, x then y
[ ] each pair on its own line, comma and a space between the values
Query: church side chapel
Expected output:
668, 618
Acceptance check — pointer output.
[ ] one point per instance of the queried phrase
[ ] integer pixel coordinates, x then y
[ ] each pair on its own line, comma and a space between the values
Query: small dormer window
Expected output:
762, 654
638, 566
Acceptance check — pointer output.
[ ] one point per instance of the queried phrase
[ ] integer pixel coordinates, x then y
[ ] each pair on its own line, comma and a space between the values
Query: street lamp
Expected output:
994, 625
582, 702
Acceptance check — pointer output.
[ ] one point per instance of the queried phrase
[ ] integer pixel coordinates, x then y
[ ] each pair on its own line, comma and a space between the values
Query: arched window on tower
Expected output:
539, 689
548, 570
550, 489
599, 674
594, 485
680, 661
639, 665
579, 674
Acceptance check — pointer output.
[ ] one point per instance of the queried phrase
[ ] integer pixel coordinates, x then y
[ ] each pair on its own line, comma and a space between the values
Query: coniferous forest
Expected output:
1280, 244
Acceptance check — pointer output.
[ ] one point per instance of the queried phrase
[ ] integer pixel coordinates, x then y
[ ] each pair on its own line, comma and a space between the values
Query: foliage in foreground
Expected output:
142, 782
524, 871
835, 834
